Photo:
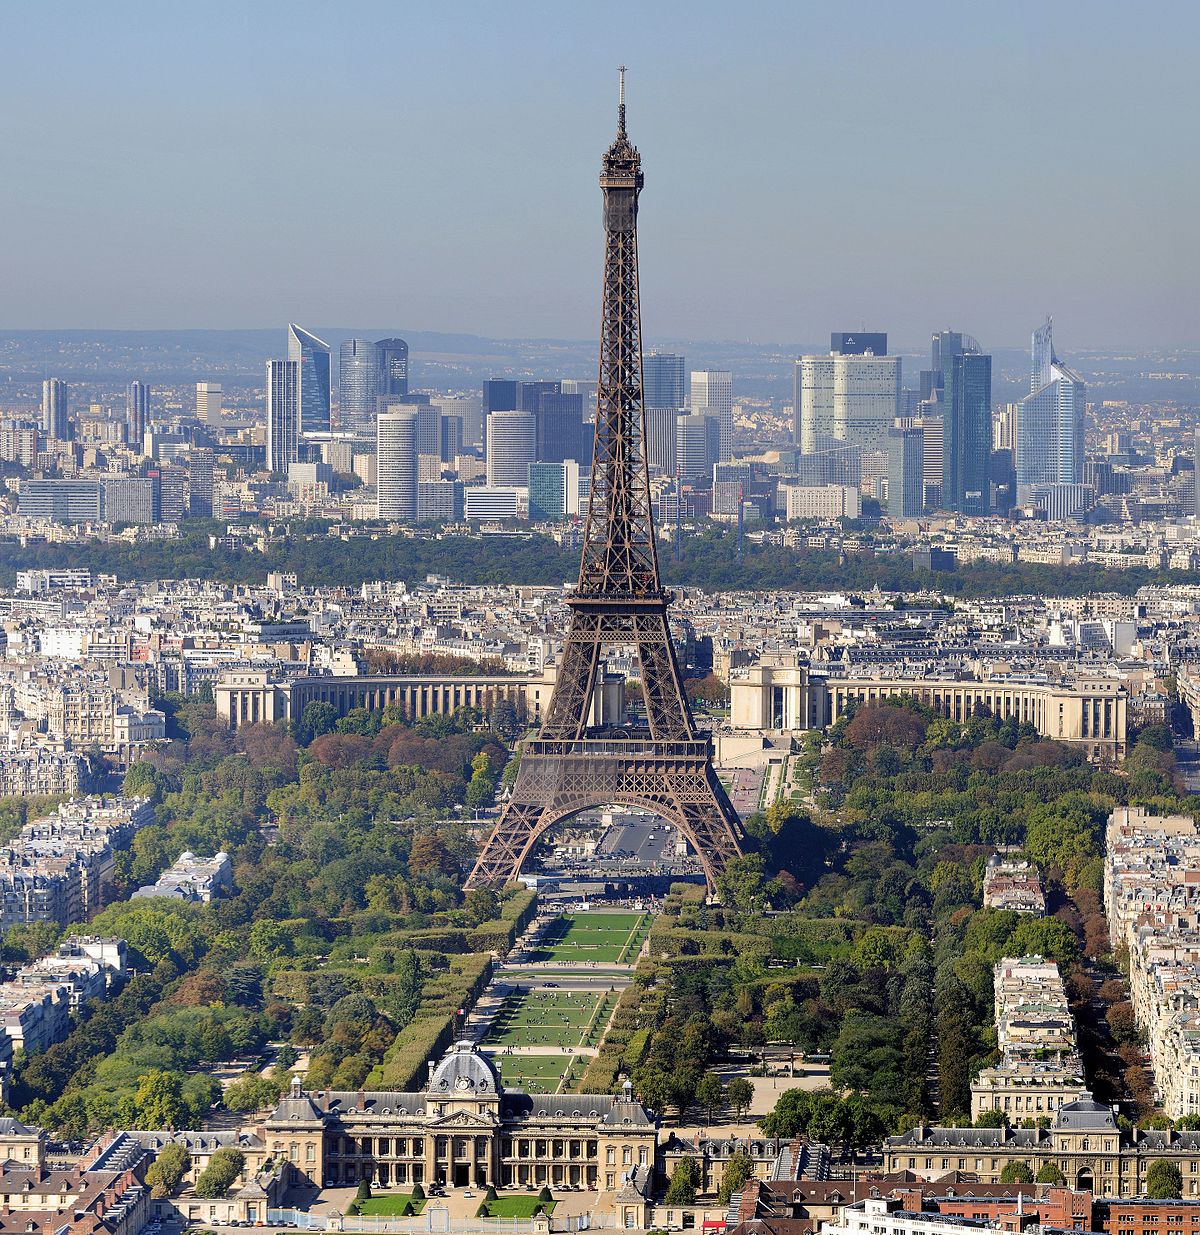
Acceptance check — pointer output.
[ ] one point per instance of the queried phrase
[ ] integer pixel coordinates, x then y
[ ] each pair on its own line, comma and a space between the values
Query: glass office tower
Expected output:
311, 355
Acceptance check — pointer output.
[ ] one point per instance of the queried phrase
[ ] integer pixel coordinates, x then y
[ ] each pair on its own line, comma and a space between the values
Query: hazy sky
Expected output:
906, 165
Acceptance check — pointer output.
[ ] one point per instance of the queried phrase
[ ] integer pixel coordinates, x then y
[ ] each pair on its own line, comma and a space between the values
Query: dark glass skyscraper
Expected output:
531, 394
312, 357
393, 368
967, 434
499, 395
560, 430
664, 380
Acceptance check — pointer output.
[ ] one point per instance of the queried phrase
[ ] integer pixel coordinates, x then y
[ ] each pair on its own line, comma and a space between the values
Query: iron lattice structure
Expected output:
665, 766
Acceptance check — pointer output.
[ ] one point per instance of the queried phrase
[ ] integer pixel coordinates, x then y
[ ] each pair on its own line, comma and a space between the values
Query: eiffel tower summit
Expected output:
663, 764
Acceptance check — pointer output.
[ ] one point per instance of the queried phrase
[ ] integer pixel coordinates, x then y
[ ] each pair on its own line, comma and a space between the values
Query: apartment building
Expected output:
1040, 1069
1152, 899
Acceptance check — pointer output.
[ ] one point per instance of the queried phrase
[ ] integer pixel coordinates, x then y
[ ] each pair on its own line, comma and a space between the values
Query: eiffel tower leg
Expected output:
499, 861
666, 706
707, 818
575, 682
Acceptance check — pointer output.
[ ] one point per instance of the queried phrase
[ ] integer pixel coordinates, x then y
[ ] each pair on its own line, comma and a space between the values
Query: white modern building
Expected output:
854, 398
821, 502
712, 395
511, 448
209, 399
396, 465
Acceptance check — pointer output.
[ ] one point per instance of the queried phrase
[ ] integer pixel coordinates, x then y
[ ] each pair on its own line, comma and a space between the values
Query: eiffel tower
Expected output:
666, 765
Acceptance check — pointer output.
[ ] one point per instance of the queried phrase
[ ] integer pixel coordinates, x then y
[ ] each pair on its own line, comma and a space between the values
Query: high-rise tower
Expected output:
393, 368
656, 760
312, 357
1050, 422
137, 412
283, 415
56, 419
712, 395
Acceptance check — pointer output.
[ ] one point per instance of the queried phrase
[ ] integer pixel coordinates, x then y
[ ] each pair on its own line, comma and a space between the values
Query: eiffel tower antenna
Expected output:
583, 758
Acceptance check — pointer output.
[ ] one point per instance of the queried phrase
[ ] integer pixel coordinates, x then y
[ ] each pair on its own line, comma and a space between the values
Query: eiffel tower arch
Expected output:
664, 766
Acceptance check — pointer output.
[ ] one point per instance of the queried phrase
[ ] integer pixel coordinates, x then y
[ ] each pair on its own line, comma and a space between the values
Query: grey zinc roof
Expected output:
521, 1105
292, 1109
374, 1102
980, 1138
1085, 1115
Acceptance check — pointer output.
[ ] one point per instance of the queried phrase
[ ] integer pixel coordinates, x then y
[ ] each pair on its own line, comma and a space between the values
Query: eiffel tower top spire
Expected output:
622, 157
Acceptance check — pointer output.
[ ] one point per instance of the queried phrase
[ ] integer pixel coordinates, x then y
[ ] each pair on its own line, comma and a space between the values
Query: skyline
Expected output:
154, 201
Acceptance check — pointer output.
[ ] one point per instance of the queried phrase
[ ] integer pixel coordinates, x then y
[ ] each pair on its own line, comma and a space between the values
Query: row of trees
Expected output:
710, 559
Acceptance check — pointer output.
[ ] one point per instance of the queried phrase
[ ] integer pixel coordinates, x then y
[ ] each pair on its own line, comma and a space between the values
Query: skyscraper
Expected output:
393, 368
312, 357
967, 434
697, 447
853, 395
510, 448
560, 429
943, 347
396, 468
1050, 422
500, 395
812, 401
56, 420
359, 379
906, 473
712, 395
137, 412
209, 397
663, 381
283, 415
660, 439
531, 394
866, 397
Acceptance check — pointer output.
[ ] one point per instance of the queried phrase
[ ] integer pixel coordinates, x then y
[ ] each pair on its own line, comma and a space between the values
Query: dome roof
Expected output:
464, 1069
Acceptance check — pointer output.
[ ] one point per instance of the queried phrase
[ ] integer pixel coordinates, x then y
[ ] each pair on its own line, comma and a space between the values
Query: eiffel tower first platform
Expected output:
665, 767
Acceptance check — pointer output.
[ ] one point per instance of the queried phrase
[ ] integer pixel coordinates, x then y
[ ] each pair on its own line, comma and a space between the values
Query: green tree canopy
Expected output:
1164, 1181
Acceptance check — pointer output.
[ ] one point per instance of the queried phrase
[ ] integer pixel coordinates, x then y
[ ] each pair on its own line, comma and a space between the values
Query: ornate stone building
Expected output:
1083, 1141
464, 1130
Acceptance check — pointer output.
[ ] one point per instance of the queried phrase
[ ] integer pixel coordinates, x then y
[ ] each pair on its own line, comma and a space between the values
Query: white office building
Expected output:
511, 448
396, 470
209, 400
854, 398
712, 395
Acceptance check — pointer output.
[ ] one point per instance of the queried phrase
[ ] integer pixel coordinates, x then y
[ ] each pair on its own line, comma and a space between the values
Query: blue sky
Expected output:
907, 166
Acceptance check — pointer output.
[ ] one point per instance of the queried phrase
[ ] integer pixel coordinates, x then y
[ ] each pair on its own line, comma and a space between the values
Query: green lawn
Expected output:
518, 1206
534, 1073
581, 937
544, 1018
389, 1205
